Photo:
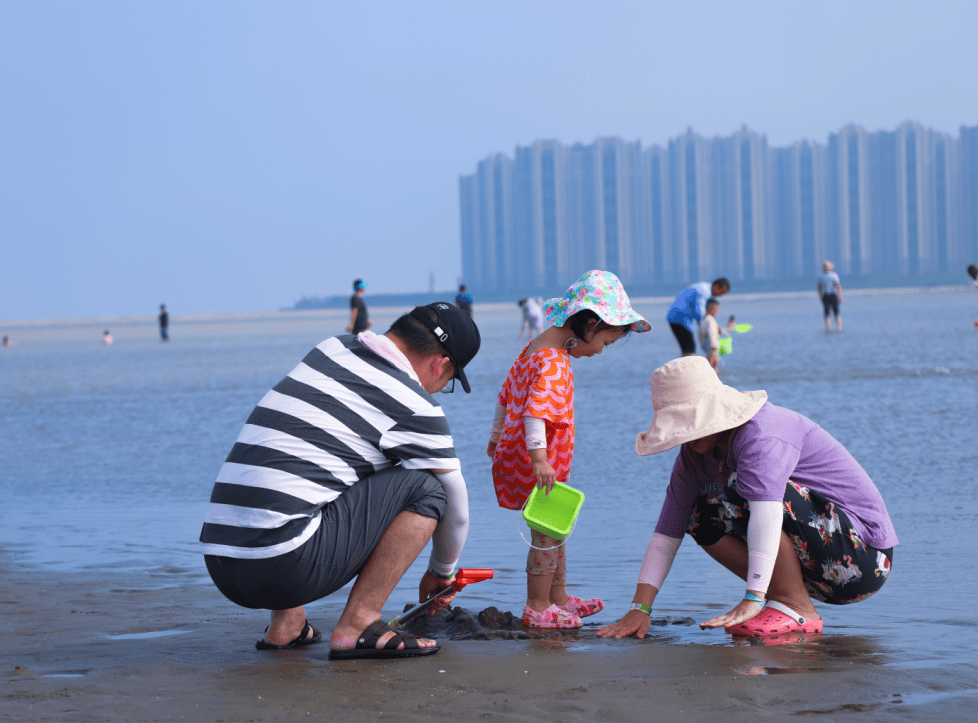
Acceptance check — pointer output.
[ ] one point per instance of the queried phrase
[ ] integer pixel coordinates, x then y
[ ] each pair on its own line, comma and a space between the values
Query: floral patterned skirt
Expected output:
837, 566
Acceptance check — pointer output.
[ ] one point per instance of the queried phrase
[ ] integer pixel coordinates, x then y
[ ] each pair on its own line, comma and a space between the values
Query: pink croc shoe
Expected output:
552, 617
583, 608
776, 619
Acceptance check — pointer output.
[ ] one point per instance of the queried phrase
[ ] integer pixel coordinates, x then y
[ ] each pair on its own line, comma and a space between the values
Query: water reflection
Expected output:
146, 636
779, 671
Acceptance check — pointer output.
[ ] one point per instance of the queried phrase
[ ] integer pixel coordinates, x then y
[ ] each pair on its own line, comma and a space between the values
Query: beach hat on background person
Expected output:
691, 402
602, 293
456, 331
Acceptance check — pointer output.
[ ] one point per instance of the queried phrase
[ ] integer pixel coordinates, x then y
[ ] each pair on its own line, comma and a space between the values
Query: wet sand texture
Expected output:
457, 623
101, 646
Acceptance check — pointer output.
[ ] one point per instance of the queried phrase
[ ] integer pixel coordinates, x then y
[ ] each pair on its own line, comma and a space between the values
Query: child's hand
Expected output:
491, 450
546, 477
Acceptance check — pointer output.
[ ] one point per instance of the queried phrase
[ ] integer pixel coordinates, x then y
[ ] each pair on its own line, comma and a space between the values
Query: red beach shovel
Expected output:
463, 577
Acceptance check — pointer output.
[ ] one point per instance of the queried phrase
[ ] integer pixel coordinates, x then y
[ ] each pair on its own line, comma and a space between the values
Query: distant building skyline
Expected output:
891, 203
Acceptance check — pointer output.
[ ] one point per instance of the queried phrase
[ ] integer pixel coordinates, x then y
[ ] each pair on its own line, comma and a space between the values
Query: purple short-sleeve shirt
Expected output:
775, 445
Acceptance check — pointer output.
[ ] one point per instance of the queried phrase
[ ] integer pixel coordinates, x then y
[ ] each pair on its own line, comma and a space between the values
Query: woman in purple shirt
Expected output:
769, 495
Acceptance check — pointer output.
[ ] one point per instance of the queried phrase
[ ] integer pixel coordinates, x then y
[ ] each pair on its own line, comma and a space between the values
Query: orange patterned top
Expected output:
539, 385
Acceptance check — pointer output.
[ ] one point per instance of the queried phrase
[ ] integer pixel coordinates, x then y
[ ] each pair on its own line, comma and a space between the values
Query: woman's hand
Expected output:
745, 610
634, 623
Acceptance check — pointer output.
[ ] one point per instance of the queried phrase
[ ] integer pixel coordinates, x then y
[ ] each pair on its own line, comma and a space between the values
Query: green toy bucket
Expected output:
553, 515
726, 345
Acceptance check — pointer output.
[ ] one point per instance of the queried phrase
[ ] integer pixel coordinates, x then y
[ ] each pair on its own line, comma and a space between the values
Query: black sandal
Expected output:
301, 640
367, 645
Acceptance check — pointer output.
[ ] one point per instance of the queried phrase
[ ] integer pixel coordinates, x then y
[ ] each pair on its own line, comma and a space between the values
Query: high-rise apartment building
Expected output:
888, 202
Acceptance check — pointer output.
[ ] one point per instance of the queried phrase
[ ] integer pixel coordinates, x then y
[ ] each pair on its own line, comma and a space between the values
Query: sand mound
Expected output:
457, 623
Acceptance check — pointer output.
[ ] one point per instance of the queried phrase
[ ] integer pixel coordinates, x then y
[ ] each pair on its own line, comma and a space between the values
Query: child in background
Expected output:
710, 334
532, 440
106, 337
532, 317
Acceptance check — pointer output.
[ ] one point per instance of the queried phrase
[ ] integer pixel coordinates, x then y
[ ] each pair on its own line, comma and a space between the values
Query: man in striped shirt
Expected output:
346, 468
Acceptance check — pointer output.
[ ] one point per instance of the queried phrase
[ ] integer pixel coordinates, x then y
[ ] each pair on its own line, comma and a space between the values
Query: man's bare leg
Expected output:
398, 548
286, 626
787, 585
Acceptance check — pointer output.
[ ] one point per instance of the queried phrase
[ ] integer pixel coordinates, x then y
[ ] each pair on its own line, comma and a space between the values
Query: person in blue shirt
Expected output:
464, 300
689, 308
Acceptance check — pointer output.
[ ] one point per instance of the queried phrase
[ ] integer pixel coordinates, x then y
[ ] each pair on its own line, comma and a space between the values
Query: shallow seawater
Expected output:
109, 453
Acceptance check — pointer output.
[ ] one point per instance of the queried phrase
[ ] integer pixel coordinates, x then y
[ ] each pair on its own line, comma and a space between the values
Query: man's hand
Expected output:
431, 585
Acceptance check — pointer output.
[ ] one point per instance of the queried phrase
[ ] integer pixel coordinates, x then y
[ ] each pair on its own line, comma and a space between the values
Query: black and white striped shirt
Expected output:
342, 414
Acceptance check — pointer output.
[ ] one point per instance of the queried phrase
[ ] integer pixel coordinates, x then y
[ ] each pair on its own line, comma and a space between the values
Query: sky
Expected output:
223, 156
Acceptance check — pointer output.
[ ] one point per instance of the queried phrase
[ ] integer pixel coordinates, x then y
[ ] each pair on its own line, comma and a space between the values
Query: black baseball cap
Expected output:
456, 331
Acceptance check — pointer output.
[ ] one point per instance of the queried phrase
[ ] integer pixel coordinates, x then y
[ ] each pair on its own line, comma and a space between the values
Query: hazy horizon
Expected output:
234, 157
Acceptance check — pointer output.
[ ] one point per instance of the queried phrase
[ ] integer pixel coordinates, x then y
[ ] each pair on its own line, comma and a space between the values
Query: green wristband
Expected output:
639, 606
439, 576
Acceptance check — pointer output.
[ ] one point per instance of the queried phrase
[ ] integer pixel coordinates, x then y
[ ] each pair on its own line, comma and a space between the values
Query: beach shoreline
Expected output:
385, 309
164, 645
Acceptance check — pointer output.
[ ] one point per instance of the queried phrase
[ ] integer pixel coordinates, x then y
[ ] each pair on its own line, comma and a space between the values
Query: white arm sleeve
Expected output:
536, 433
449, 536
763, 540
658, 559
497, 422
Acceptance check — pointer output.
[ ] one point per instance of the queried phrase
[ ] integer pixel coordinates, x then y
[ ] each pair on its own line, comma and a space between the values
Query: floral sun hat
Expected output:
602, 293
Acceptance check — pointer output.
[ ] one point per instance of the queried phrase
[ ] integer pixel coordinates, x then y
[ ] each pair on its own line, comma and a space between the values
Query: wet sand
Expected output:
100, 645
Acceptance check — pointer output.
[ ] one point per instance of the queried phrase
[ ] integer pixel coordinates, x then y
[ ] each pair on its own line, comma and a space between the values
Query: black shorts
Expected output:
830, 302
836, 565
684, 336
351, 528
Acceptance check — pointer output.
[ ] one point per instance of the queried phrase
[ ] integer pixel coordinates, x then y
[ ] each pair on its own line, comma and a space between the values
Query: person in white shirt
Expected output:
532, 317
710, 334
830, 292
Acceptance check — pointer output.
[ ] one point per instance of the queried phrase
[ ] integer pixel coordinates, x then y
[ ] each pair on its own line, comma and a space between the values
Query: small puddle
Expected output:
145, 636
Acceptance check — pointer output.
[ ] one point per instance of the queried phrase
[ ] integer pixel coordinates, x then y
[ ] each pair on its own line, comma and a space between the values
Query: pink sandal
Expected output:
552, 617
583, 608
775, 619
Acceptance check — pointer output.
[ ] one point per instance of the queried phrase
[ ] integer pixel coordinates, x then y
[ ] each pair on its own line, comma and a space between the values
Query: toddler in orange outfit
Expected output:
532, 440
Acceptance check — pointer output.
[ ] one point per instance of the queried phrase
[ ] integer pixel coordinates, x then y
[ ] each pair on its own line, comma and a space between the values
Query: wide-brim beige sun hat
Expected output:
691, 402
